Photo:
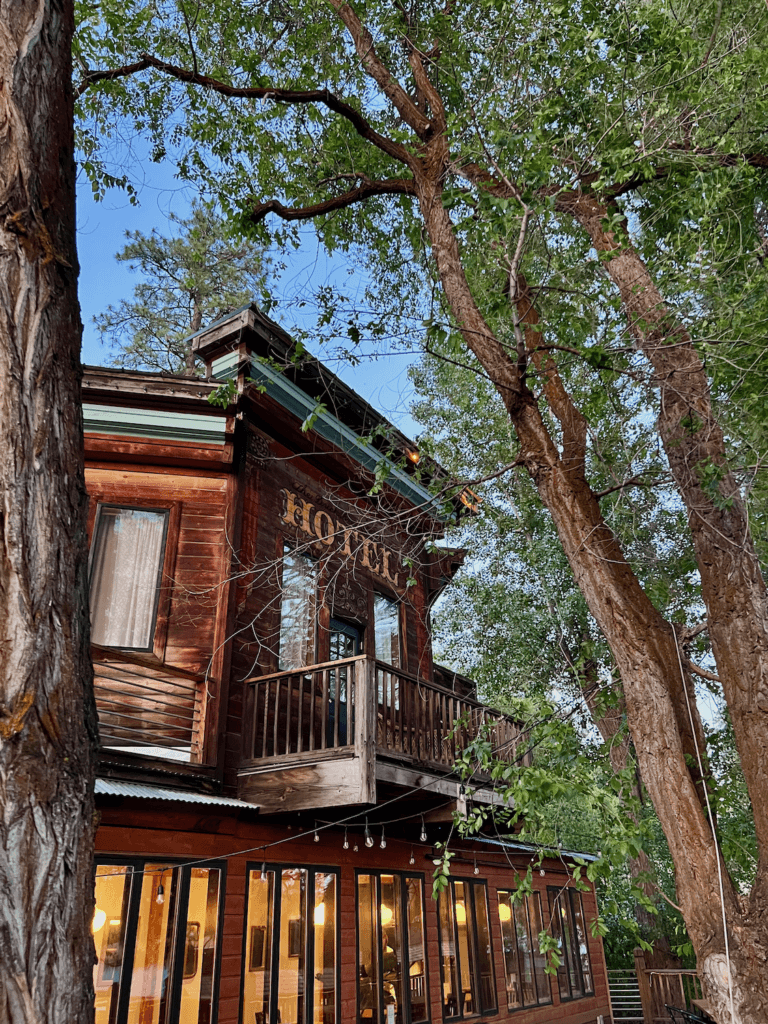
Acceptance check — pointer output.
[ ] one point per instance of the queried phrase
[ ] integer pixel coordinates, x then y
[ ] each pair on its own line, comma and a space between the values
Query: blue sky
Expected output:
104, 281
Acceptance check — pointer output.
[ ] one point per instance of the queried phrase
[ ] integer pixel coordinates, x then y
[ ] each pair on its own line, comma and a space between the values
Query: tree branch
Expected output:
393, 186
324, 97
702, 671
366, 51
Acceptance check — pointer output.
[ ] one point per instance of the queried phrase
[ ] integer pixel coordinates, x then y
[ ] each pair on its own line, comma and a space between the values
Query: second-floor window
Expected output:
466, 955
125, 577
297, 610
386, 618
524, 963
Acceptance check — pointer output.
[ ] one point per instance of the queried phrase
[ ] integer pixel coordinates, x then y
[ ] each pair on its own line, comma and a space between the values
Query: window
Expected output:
466, 957
524, 963
574, 975
391, 963
156, 930
386, 619
291, 973
297, 610
126, 572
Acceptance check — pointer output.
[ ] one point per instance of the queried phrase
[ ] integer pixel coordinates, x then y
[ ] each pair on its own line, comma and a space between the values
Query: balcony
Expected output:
328, 734
146, 710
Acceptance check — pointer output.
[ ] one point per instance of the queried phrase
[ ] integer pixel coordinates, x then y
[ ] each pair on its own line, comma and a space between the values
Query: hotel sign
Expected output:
319, 525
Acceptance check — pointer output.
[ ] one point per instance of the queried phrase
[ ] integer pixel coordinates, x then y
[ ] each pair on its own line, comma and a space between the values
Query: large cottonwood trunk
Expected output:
47, 717
661, 708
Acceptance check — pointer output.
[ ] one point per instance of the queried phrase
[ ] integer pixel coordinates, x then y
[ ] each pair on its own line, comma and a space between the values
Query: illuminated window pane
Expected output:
392, 980
467, 955
510, 947
291, 931
258, 941
574, 973
416, 951
368, 956
153, 952
126, 564
199, 953
113, 884
324, 925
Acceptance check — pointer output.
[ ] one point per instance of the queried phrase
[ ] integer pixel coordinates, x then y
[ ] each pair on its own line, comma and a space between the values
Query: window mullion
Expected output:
309, 950
274, 971
129, 942
173, 1003
379, 950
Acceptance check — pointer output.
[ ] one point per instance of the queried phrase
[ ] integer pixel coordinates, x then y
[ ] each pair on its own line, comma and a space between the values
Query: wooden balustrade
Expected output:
145, 709
305, 710
324, 707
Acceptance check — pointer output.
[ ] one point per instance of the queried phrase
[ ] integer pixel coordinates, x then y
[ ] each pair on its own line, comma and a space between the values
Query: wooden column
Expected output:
646, 998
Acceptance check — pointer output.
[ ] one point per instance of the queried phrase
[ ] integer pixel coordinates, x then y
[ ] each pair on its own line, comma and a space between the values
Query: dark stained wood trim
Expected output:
118, 448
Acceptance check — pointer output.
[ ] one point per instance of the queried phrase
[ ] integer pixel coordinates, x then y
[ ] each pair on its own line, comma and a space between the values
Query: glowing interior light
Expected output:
461, 913
99, 917
320, 914
386, 914
504, 912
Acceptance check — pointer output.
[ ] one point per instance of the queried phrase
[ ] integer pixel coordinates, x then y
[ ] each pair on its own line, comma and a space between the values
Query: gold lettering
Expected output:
324, 528
296, 511
394, 580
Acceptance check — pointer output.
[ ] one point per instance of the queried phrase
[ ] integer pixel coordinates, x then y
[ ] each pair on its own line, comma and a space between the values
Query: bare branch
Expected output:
635, 481
702, 671
367, 189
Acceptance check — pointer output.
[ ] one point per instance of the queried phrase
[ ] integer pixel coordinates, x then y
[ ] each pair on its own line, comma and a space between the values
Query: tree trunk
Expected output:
661, 708
47, 714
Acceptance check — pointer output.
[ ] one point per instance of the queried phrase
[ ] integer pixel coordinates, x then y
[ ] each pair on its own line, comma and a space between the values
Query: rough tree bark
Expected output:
47, 716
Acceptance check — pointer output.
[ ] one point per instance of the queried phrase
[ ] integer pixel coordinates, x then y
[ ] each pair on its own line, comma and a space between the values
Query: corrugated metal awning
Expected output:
529, 848
112, 787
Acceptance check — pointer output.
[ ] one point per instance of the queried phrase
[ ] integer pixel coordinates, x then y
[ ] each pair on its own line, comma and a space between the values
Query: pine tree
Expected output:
190, 279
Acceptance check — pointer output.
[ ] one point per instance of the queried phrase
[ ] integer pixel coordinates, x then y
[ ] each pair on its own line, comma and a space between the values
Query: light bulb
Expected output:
386, 915
505, 913
263, 872
355, 848
542, 872
368, 836
423, 836
383, 843
320, 914
160, 894
413, 859
346, 841
317, 837
477, 869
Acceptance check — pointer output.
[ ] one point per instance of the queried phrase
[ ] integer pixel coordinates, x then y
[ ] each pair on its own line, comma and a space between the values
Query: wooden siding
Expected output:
209, 832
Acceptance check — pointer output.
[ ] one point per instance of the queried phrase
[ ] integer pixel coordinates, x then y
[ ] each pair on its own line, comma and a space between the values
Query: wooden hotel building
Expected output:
278, 746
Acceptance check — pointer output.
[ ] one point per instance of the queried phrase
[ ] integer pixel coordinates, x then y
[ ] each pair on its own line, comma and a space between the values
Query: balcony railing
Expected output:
359, 702
155, 711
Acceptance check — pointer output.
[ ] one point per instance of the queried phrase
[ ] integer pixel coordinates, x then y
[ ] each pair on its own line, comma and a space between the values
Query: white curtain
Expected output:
128, 549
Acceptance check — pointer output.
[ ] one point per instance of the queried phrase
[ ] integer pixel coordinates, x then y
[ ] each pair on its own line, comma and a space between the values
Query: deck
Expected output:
326, 734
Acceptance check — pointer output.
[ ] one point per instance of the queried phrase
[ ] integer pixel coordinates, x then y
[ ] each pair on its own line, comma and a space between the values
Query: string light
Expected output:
355, 848
412, 859
368, 836
345, 844
477, 869
160, 894
317, 837
542, 872
264, 872
383, 843
423, 836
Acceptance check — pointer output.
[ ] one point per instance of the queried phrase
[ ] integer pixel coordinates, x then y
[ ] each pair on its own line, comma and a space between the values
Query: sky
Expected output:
104, 281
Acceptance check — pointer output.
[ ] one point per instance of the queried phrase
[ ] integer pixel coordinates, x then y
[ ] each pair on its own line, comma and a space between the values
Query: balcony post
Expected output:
365, 717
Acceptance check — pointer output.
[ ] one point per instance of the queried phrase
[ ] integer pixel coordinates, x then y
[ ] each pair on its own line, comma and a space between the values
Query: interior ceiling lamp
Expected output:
504, 912
99, 917
386, 915
461, 913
